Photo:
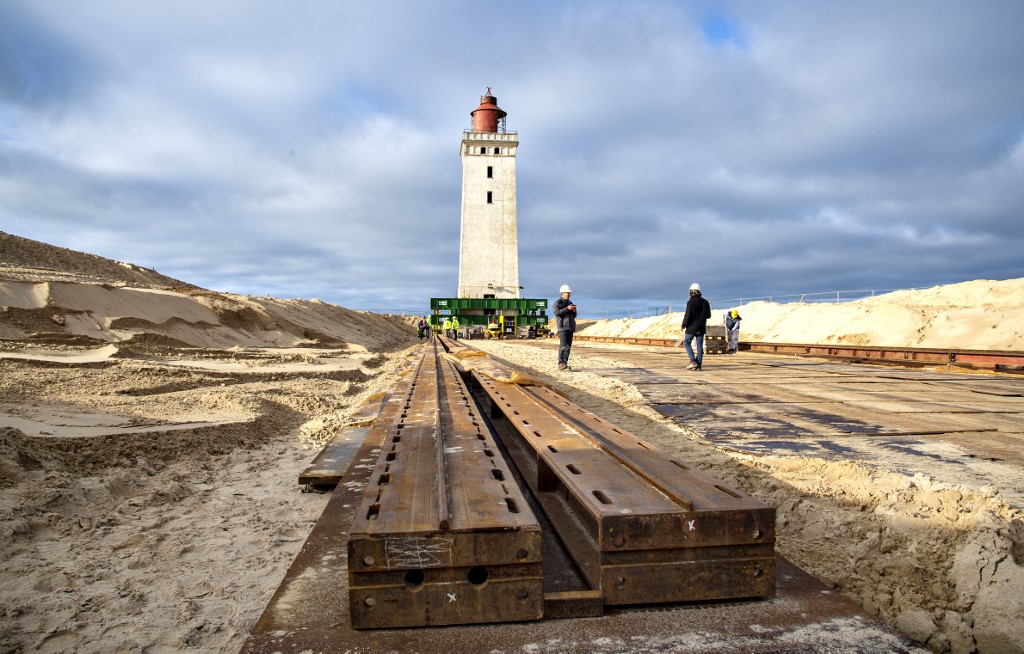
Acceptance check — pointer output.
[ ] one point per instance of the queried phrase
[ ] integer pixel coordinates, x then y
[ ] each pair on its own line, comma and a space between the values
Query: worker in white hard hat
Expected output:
565, 316
695, 325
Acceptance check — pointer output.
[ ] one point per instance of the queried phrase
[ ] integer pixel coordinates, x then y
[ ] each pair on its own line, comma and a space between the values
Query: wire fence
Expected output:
833, 297
615, 312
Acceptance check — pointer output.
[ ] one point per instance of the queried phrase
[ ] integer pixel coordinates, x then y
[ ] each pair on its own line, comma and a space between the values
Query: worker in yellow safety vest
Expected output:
455, 327
492, 329
447, 326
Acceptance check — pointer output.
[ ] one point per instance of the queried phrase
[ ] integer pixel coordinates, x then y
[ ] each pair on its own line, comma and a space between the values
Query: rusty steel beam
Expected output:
908, 356
443, 535
642, 527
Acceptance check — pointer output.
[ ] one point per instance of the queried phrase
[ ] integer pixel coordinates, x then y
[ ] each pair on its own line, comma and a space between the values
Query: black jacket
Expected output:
695, 320
566, 319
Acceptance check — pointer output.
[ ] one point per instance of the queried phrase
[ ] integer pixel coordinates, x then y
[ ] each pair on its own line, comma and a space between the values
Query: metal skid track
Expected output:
643, 527
443, 534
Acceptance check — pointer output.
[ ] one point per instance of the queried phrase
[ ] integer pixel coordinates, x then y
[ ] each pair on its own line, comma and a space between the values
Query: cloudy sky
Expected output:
311, 148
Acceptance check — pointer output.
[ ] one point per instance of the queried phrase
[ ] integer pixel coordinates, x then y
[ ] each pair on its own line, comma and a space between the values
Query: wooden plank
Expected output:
802, 419
990, 446
328, 468
1000, 386
929, 406
721, 394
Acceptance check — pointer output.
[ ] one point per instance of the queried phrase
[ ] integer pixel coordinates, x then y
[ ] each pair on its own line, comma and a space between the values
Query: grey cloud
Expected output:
312, 150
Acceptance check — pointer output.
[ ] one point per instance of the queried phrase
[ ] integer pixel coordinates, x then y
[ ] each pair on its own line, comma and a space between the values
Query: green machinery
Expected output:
515, 317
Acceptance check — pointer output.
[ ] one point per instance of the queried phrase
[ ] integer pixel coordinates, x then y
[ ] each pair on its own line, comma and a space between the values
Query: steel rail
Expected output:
999, 360
440, 536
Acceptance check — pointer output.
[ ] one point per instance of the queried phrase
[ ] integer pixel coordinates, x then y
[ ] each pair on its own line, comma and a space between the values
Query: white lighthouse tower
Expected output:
489, 251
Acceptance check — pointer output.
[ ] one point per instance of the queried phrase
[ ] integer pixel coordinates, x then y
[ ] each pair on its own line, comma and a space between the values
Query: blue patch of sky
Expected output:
719, 29
348, 100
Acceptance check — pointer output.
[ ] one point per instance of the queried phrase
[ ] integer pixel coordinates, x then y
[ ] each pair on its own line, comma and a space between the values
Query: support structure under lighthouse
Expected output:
489, 248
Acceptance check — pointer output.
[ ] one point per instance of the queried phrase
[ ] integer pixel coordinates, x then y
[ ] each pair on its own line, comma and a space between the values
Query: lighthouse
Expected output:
489, 250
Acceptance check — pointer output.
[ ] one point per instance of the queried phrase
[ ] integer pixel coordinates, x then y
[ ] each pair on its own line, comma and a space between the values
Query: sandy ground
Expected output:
152, 505
942, 562
976, 315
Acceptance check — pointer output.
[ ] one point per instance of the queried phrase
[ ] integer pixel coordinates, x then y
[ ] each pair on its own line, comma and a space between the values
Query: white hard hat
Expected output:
565, 289
695, 286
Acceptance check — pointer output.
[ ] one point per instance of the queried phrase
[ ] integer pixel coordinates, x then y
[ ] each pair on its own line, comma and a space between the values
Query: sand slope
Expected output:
55, 295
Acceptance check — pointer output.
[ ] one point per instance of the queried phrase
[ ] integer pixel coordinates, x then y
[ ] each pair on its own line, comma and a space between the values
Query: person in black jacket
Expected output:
695, 325
565, 315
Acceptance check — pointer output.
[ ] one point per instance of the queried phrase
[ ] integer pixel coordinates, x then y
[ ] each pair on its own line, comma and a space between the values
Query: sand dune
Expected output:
981, 315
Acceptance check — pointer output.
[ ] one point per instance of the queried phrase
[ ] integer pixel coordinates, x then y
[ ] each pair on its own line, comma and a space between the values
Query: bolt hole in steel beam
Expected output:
497, 474
573, 469
684, 467
512, 506
384, 479
552, 448
602, 498
414, 578
373, 512
477, 575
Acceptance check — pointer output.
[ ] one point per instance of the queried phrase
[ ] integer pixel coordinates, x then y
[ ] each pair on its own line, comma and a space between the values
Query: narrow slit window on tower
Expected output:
490, 197
490, 172
496, 150
483, 150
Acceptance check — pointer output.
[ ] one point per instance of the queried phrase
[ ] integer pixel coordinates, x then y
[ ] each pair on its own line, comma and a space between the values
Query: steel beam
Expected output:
643, 527
443, 535
1003, 361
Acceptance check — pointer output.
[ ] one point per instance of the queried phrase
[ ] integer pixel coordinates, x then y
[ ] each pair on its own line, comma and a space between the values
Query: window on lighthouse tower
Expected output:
490, 172
490, 197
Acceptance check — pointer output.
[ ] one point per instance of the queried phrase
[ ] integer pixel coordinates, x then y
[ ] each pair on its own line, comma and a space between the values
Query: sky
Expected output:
310, 149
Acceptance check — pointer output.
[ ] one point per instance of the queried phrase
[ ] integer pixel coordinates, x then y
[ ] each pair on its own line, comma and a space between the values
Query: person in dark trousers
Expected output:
422, 328
695, 325
565, 314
